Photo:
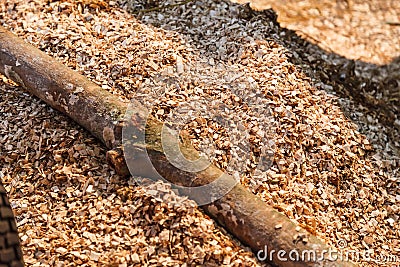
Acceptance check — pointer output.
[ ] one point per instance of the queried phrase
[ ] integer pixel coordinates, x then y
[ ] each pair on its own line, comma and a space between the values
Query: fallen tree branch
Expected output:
242, 213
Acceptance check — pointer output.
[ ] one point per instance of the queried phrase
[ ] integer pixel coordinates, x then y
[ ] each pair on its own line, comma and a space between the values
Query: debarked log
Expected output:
270, 234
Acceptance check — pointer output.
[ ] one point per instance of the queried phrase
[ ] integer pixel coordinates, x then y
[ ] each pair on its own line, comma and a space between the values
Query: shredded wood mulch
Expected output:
355, 29
335, 167
71, 209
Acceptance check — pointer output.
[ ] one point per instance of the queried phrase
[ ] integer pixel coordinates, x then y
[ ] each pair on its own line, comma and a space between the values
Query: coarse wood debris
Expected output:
335, 166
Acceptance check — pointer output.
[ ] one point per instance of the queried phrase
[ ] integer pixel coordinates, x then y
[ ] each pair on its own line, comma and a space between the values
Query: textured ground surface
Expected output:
360, 30
335, 168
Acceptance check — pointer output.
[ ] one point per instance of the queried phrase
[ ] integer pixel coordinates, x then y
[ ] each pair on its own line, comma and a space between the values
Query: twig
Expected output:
393, 23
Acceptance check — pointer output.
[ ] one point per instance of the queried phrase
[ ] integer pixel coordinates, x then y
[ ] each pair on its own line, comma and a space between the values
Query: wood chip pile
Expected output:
356, 29
72, 209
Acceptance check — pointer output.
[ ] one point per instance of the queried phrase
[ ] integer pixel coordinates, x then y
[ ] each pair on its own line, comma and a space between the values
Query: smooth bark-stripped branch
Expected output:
242, 213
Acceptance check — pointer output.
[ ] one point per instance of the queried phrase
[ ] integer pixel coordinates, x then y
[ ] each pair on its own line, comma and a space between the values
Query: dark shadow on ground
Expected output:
371, 89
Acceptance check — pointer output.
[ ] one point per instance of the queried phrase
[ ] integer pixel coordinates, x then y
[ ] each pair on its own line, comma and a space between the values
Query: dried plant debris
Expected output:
218, 107
355, 29
367, 77
331, 179
71, 208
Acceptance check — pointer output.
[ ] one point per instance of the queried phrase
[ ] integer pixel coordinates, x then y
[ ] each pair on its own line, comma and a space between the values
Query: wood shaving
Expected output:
72, 209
